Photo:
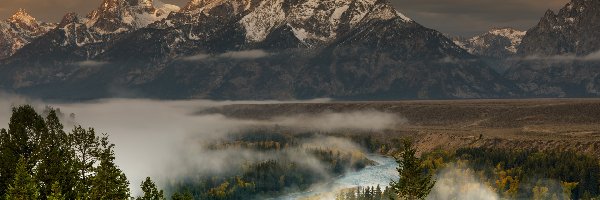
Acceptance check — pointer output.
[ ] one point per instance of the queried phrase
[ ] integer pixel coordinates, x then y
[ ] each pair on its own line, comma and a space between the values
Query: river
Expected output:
379, 174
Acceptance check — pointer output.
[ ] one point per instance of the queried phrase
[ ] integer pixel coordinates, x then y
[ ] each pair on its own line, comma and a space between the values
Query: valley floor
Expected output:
540, 124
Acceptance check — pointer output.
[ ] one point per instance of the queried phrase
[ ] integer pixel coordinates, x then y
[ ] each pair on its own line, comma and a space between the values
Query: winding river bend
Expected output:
380, 174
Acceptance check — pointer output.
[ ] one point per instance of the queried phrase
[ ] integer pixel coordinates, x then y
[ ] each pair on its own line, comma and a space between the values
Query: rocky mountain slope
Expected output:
573, 30
249, 49
284, 49
560, 56
80, 38
496, 43
19, 30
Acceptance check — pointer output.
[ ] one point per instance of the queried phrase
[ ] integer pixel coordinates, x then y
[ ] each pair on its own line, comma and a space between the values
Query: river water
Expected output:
379, 174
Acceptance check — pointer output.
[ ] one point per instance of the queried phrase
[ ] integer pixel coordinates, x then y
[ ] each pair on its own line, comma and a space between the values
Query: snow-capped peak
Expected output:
497, 42
146, 3
22, 17
314, 20
115, 16
196, 4
510, 33
19, 30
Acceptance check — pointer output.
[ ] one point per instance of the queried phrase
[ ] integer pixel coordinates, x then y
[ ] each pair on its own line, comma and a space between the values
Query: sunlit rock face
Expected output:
19, 30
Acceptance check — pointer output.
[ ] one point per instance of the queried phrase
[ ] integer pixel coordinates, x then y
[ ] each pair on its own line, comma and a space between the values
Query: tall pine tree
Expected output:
56, 193
187, 195
109, 181
415, 181
56, 164
23, 186
85, 145
150, 191
21, 140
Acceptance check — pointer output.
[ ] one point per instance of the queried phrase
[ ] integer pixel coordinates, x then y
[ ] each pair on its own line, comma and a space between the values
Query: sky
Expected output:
453, 17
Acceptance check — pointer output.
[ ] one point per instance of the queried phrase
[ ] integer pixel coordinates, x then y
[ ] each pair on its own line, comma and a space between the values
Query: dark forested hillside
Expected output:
40, 160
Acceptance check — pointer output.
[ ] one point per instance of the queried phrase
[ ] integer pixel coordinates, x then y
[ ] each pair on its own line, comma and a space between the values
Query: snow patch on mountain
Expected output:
263, 20
19, 30
111, 18
324, 20
498, 42
515, 36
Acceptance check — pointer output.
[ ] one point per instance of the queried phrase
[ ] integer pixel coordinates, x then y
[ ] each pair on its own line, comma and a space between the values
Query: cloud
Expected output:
358, 120
197, 57
237, 55
563, 58
449, 59
593, 56
459, 183
250, 54
91, 63
168, 140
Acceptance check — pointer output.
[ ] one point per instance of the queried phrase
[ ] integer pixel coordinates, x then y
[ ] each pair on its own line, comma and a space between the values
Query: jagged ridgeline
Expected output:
293, 49
247, 49
19, 30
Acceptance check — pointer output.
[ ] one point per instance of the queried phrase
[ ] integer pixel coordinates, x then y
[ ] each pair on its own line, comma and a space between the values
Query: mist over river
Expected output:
380, 174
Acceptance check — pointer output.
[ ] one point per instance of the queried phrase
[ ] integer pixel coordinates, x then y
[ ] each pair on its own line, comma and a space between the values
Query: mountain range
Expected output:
290, 49
19, 30
497, 43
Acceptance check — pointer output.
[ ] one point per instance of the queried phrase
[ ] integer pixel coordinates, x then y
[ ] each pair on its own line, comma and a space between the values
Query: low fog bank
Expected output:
167, 139
459, 183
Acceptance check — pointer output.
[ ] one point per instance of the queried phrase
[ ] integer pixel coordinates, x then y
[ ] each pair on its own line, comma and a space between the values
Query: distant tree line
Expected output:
271, 177
573, 175
527, 174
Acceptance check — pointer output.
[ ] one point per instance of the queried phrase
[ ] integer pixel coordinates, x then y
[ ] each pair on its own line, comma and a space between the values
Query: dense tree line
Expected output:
42, 161
269, 178
533, 172
366, 193
528, 174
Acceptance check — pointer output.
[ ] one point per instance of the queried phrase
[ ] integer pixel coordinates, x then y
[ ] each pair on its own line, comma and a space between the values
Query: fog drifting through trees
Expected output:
169, 140
166, 140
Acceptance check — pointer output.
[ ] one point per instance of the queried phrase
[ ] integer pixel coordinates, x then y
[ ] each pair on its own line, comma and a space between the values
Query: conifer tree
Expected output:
150, 191
23, 186
185, 196
109, 181
415, 181
20, 140
377, 193
56, 193
56, 163
85, 145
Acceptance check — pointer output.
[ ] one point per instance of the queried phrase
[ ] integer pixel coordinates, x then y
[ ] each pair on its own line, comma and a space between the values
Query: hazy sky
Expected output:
455, 17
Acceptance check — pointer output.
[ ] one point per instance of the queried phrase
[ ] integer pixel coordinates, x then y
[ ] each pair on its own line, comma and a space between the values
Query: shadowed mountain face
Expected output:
257, 49
560, 56
249, 50
574, 30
